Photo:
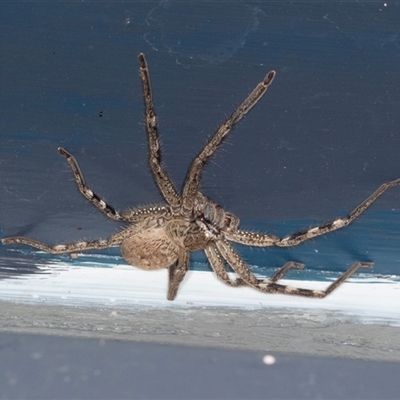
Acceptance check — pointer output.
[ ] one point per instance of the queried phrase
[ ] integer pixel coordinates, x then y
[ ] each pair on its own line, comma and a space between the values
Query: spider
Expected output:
162, 236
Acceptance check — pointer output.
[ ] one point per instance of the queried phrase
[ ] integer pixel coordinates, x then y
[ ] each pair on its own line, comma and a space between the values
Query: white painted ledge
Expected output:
369, 299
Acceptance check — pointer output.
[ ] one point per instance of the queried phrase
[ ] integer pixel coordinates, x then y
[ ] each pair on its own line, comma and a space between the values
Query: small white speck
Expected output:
37, 356
12, 381
268, 359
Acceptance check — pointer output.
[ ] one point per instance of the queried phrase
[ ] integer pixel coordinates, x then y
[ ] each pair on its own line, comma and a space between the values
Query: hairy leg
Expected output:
351, 271
176, 274
138, 214
114, 240
63, 248
260, 240
337, 223
285, 269
270, 286
162, 179
192, 182
89, 195
218, 266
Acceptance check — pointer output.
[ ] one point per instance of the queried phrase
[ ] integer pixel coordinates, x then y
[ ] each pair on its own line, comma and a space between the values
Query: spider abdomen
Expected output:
150, 249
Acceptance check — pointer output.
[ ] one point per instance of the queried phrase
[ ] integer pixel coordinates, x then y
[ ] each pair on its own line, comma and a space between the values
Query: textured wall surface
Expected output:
323, 138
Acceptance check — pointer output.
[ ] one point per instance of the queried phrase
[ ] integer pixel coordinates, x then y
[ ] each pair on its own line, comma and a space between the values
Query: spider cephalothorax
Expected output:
162, 236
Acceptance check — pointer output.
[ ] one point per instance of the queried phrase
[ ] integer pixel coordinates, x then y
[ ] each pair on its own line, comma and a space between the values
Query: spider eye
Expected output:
201, 217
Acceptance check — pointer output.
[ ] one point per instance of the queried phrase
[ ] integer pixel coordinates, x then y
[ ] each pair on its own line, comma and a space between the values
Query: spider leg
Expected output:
162, 179
351, 271
64, 248
259, 240
192, 182
105, 208
252, 238
270, 286
236, 262
176, 273
217, 264
285, 269
338, 223
136, 215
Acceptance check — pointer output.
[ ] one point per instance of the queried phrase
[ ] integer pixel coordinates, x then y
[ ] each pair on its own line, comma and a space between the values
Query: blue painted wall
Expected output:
324, 137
